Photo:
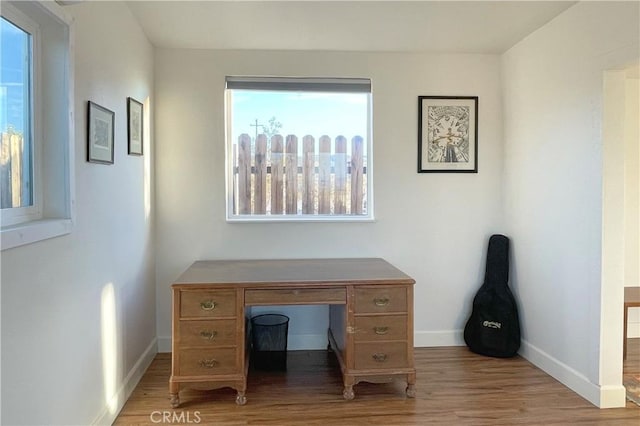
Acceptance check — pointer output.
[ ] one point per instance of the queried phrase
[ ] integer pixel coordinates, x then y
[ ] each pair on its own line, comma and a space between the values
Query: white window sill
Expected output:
294, 219
31, 232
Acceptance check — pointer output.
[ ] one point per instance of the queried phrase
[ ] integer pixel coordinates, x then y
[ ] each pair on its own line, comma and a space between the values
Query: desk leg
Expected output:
241, 387
174, 393
411, 385
348, 393
175, 400
624, 333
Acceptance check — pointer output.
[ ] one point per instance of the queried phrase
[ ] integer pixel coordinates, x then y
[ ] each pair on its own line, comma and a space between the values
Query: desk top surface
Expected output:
293, 271
632, 295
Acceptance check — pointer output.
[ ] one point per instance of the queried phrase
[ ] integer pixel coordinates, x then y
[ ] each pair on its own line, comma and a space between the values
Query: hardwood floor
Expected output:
632, 363
454, 387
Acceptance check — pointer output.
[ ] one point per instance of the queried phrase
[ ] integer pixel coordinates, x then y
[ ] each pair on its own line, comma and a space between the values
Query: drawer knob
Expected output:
208, 305
379, 357
208, 334
208, 363
380, 330
381, 301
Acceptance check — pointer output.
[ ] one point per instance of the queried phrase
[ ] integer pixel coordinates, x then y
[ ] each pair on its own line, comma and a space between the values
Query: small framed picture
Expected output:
134, 126
100, 134
447, 134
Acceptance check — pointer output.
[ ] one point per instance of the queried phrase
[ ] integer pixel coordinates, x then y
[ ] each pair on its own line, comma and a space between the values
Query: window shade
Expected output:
348, 85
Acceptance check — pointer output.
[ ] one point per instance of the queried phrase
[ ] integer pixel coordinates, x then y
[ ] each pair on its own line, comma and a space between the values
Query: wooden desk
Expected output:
370, 318
631, 300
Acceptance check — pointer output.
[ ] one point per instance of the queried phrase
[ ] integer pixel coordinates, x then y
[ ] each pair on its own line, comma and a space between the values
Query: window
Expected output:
17, 119
36, 122
298, 149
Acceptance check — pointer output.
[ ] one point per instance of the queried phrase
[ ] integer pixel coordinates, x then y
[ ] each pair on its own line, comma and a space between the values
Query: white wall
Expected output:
434, 227
78, 311
632, 196
553, 90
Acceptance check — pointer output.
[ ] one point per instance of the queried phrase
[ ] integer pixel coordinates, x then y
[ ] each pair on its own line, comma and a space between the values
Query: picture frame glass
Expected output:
447, 140
100, 134
134, 126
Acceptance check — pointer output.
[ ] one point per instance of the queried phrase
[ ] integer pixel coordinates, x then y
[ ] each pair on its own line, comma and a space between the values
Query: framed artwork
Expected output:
134, 126
100, 134
447, 134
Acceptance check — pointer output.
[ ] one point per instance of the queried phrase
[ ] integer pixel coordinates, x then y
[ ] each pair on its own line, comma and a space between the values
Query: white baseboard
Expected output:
107, 416
600, 396
612, 397
426, 339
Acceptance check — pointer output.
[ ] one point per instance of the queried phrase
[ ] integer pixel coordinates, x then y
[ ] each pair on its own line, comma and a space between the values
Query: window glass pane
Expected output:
16, 169
299, 153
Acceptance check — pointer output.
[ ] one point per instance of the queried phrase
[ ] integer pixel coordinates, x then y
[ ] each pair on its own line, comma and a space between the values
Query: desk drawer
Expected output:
207, 362
296, 296
380, 299
210, 333
204, 303
380, 327
376, 356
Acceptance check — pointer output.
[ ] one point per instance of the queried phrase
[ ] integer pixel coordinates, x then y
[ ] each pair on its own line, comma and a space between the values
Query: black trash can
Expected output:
269, 341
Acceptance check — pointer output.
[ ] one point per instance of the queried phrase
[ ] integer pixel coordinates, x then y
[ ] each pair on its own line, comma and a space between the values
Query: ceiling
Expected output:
408, 26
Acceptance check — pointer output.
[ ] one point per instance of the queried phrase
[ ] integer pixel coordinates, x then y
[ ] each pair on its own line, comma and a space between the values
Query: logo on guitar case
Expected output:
492, 324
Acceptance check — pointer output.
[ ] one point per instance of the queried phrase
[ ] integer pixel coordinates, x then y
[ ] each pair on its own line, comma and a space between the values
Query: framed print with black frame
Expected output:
134, 126
447, 134
100, 134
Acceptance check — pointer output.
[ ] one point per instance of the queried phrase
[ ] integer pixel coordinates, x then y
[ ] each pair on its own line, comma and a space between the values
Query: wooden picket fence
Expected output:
11, 170
280, 180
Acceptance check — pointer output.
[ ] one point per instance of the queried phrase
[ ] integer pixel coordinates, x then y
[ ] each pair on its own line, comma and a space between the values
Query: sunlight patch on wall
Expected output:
146, 143
109, 347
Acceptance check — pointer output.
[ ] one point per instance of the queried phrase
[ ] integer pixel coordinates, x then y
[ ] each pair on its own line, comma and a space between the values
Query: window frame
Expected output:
286, 84
54, 182
18, 215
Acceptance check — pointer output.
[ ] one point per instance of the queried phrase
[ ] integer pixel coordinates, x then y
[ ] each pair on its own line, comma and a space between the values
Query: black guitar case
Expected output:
493, 329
